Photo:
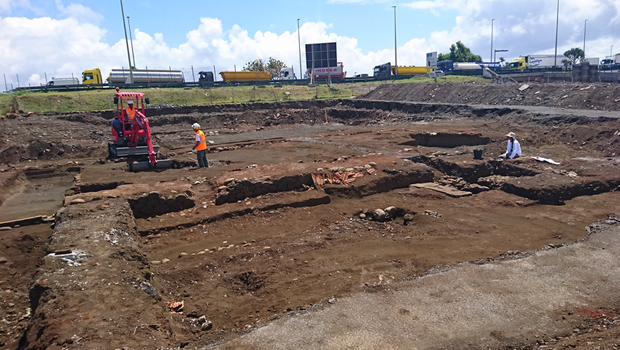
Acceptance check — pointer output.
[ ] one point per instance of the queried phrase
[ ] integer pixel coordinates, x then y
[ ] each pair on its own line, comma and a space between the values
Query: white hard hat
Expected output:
196, 126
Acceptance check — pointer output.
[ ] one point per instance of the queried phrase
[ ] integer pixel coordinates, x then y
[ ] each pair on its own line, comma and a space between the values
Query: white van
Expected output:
63, 82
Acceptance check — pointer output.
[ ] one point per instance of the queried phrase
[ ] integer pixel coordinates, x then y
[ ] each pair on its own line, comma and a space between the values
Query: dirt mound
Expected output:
92, 119
598, 96
41, 150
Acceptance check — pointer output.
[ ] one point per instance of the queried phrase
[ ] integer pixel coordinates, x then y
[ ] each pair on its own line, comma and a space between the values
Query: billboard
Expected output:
431, 60
321, 55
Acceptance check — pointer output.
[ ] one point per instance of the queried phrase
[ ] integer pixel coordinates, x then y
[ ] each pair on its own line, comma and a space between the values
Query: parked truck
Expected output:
245, 76
120, 76
536, 61
336, 72
448, 66
92, 76
62, 82
387, 69
286, 73
146, 76
610, 63
205, 77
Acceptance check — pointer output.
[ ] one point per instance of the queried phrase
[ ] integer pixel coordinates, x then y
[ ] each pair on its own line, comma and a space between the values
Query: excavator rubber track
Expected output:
146, 165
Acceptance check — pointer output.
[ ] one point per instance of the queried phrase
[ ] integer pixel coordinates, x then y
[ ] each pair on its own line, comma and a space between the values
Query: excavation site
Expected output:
386, 221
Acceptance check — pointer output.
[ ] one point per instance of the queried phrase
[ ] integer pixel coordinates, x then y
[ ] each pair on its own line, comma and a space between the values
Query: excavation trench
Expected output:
448, 140
472, 171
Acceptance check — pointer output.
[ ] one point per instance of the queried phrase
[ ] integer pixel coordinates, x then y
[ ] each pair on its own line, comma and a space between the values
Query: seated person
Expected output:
513, 148
130, 112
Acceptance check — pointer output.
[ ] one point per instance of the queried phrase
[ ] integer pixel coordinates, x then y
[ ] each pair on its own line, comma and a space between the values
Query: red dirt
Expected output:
246, 263
562, 95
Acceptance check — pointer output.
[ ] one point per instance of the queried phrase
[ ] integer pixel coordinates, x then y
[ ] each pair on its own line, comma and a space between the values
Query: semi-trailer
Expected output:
536, 61
387, 69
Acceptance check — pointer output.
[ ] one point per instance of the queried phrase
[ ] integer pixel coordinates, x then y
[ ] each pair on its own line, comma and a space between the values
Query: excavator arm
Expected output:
142, 123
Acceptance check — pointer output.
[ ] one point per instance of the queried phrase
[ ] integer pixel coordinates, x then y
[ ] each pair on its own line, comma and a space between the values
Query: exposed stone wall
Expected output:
154, 204
234, 190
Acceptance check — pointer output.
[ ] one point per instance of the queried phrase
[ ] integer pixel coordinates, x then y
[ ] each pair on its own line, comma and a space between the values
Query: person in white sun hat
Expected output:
513, 149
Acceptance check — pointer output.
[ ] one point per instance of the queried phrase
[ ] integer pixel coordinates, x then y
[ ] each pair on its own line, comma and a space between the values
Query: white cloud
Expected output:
424, 5
79, 12
34, 48
6, 6
528, 27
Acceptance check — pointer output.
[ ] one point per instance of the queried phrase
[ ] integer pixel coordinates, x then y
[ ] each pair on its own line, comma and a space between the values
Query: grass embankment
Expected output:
99, 100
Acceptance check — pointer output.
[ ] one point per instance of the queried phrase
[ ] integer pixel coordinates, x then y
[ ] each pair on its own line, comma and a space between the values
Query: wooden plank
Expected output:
450, 191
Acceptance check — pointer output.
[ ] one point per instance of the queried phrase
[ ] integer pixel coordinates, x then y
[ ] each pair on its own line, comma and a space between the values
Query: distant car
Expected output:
608, 64
360, 76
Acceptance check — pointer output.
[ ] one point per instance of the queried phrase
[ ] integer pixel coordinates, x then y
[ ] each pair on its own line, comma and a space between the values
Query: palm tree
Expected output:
575, 54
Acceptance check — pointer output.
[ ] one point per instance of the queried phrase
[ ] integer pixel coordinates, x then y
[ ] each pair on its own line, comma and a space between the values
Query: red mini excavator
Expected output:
131, 136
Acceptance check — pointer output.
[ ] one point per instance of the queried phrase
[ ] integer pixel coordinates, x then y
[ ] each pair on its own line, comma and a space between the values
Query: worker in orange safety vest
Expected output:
131, 111
200, 145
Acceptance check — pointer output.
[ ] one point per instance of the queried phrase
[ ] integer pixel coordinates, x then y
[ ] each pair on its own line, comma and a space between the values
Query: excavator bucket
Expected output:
146, 165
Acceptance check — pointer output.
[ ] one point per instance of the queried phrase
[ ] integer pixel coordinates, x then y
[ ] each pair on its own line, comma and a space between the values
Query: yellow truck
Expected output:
92, 76
245, 76
386, 69
411, 70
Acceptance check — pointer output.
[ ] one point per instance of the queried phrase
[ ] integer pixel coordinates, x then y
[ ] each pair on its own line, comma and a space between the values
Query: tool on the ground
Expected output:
131, 135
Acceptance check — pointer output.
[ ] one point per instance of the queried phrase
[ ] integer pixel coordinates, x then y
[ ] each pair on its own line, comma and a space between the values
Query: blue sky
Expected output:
63, 37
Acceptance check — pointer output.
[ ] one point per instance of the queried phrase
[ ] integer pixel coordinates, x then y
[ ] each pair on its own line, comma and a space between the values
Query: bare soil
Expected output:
253, 237
603, 97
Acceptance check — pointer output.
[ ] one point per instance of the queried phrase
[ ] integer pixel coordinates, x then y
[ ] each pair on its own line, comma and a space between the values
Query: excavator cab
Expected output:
131, 135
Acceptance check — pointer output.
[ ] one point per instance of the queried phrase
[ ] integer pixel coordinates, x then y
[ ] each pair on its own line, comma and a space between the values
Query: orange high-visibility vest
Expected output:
131, 113
200, 137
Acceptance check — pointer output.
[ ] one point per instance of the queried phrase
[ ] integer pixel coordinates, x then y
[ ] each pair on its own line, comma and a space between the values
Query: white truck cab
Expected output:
287, 74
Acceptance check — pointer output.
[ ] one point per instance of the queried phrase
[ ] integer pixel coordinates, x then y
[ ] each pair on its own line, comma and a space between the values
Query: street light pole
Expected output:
557, 21
395, 45
299, 44
493, 20
585, 23
131, 38
130, 79
495, 53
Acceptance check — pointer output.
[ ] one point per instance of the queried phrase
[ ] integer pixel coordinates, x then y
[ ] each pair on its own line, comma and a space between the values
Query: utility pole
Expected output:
131, 38
557, 21
395, 45
130, 78
585, 23
299, 43
493, 20
6, 87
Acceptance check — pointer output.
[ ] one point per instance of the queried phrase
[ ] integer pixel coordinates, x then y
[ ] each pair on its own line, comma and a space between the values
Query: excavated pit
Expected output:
255, 238
154, 204
448, 140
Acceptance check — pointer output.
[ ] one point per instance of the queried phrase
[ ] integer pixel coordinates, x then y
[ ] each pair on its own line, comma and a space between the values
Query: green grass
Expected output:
5, 104
99, 100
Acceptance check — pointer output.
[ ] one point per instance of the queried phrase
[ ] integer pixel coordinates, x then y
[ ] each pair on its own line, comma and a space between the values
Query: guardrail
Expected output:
211, 84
